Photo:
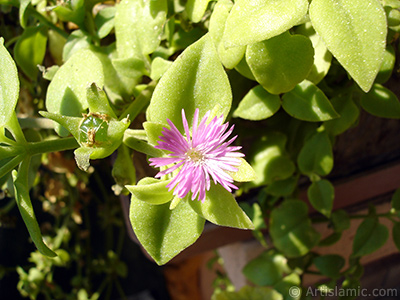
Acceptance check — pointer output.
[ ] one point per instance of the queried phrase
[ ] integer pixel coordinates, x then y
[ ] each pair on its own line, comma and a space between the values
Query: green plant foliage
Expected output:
389, 59
348, 111
195, 80
355, 33
308, 103
196, 9
316, 155
266, 269
254, 21
370, 236
396, 234
249, 293
329, 265
164, 232
258, 104
381, 102
270, 160
30, 49
151, 190
20, 180
66, 94
9, 85
244, 173
281, 62
291, 229
229, 57
123, 171
340, 220
221, 208
104, 21
396, 200
321, 196
282, 188
138, 26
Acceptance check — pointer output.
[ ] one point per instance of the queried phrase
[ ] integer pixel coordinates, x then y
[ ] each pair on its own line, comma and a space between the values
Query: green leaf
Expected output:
104, 21
252, 21
389, 59
266, 269
281, 62
355, 33
321, 195
9, 85
73, 11
98, 102
158, 67
138, 26
229, 57
396, 200
381, 102
329, 265
340, 220
291, 229
316, 155
258, 104
330, 239
23, 16
282, 188
196, 79
195, 9
396, 234
348, 111
123, 171
289, 287
244, 173
308, 103
249, 293
370, 236
66, 94
76, 41
23, 200
30, 49
221, 208
322, 57
151, 190
164, 233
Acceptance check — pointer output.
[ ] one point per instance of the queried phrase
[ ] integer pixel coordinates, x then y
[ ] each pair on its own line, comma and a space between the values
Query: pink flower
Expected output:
198, 157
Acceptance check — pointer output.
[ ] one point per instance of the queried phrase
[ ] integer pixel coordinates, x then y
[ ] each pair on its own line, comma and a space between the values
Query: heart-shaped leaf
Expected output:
355, 33
195, 80
321, 194
381, 102
252, 21
370, 236
281, 62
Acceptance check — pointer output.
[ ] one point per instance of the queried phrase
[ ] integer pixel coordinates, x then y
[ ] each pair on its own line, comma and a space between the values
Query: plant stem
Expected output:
139, 103
52, 145
46, 22
41, 123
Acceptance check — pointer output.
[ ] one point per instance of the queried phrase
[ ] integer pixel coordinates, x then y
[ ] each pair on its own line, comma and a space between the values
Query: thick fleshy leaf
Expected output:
389, 59
244, 173
249, 293
195, 9
252, 21
30, 49
355, 33
329, 265
164, 233
321, 194
98, 102
270, 160
322, 57
289, 287
221, 208
381, 102
308, 103
138, 26
76, 41
158, 67
281, 62
123, 170
291, 229
282, 188
23, 200
370, 236
348, 111
195, 80
316, 155
230, 57
266, 269
258, 104
396, 200
340, 220
66, 94
9, 85
104, 21
151, 190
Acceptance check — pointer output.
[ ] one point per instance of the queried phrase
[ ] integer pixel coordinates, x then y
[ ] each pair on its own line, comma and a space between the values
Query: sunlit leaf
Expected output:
321, 194
381, 102
252, 21
355, 33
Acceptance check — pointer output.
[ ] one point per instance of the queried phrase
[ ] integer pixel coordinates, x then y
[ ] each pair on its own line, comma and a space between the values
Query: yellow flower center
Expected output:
195, 156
